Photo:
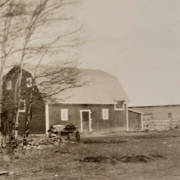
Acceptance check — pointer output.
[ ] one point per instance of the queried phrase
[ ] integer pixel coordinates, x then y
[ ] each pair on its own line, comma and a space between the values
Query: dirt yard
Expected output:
132, 156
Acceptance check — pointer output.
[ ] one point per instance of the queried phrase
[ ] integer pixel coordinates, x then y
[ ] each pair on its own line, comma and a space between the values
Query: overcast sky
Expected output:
139, 42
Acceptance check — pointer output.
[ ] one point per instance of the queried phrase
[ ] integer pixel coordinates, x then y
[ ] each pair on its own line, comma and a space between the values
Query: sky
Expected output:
138, 41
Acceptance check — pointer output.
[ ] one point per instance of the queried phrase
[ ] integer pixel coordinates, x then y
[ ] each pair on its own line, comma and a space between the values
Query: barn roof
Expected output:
102, 88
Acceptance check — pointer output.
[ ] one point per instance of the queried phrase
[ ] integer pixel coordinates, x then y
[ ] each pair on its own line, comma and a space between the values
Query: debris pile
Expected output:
42, 143
38, 143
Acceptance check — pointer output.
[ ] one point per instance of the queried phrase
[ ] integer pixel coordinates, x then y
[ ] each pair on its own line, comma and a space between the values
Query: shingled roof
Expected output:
102, 88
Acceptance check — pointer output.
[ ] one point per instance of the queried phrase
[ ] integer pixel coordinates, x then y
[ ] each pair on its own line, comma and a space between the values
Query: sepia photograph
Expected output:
89, 89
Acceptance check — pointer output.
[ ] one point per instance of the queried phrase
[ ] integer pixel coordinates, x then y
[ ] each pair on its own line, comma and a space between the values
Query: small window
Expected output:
29, 82
169, 115
105, 114
64, 114
22, 107
119, 105
9, 85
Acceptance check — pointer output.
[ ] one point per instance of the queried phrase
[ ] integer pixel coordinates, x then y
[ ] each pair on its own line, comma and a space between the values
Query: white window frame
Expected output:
29, 82
9, 85
119, 109
62, 114
24, 109
105, 114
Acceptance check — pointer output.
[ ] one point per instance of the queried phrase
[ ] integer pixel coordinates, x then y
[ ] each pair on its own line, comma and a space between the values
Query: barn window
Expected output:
64, 114
119, 105
22, 106
105, 114
29, 82
9, 85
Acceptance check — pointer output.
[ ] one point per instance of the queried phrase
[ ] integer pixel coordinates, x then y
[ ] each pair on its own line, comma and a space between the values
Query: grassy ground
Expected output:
132, 156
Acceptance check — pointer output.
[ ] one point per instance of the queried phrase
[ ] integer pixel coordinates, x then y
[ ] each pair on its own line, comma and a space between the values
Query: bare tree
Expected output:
8, 39
27, 36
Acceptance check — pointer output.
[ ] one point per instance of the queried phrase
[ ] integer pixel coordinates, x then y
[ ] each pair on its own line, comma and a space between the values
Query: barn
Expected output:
159, 117
9, 94
99, 106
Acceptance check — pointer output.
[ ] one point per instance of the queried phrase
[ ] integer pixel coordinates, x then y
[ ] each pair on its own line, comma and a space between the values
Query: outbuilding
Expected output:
160, 117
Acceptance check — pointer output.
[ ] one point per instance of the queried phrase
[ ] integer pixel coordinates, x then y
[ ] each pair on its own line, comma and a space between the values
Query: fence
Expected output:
165, 124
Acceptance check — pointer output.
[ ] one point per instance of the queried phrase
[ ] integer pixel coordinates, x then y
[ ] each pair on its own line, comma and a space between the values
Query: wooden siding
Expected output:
116, 122
37, 125
134, 121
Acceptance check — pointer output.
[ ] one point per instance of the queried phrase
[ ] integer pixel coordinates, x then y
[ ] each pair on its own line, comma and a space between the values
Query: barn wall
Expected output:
134, 121
116, 122
37, 125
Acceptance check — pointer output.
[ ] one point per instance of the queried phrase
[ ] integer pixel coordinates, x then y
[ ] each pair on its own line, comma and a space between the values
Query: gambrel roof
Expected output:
101, 88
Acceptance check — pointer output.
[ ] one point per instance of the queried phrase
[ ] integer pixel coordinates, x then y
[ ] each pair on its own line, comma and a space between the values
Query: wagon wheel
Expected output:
77, 136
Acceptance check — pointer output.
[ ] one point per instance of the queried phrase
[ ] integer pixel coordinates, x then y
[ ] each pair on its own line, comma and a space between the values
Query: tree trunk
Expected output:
17, 101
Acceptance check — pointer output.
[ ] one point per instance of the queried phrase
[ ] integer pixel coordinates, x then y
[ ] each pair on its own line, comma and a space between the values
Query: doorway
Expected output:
85, 117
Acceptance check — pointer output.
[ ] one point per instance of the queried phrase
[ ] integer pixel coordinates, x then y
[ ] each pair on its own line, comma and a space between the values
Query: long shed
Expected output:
160, 117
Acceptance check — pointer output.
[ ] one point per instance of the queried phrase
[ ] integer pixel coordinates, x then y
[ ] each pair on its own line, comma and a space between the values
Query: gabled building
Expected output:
9, 95
99, 106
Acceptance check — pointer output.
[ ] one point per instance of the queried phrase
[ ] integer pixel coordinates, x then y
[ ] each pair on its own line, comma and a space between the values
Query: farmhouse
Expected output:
162, 117
98, 106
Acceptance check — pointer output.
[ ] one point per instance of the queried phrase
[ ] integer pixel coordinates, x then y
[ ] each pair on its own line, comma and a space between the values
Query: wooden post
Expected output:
127, 118
142, 125
47, 117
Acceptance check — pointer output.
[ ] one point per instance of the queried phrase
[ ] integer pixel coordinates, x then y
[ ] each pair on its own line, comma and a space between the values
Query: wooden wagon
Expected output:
65, 130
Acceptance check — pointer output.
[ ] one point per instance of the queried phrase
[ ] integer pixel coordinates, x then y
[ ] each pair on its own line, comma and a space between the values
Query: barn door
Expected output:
85, 121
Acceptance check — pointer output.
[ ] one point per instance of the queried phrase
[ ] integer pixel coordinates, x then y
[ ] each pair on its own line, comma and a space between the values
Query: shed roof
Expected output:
154, 106
132, 110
